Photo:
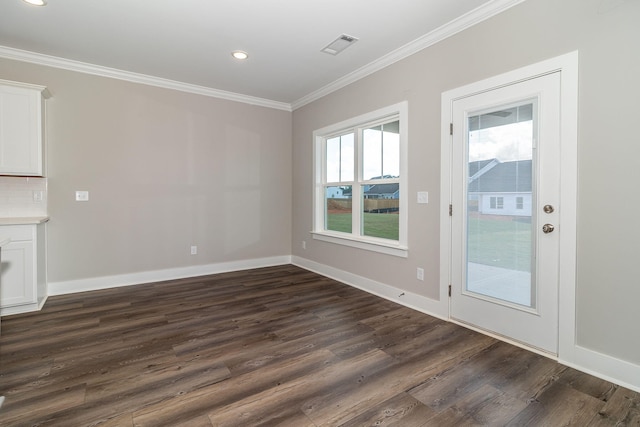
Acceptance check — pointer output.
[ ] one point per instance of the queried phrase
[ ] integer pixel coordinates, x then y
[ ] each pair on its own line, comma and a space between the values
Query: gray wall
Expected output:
165, 170
606, 33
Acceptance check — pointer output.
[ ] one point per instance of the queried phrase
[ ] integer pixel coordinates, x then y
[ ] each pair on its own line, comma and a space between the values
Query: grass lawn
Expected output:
339, 222
499, 243
380, 225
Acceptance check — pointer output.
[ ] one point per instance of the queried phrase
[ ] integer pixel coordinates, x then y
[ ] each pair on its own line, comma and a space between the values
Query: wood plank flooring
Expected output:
278, 346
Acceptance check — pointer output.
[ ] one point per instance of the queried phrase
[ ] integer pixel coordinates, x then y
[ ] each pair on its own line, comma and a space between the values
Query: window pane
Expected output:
333, 159
500, 238
347, 152
372, 153
338, 208
381, 208
391, 149
340, 158
381, 151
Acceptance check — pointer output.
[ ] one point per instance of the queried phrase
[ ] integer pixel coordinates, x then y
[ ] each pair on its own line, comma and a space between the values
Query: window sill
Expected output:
376, 245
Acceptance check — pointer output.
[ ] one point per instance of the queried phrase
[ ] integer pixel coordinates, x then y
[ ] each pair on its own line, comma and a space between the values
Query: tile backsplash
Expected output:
23, 197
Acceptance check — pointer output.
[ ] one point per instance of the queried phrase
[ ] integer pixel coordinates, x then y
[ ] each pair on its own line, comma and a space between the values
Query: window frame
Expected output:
357, 125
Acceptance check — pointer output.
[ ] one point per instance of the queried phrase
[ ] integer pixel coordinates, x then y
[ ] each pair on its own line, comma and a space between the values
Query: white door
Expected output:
505, 192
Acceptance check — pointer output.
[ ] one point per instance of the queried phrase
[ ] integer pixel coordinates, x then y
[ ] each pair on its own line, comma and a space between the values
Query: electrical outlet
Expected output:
194, 250
37, 195
420, 273
82, 196
304, 245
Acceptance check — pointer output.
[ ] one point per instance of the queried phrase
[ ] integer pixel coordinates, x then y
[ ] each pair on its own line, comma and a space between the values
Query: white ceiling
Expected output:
188, 43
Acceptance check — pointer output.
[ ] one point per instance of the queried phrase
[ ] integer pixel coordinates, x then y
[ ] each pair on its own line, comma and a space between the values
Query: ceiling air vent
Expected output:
339, 44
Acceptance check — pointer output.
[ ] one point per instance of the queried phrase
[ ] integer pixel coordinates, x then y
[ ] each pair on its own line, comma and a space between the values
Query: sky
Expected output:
505, 143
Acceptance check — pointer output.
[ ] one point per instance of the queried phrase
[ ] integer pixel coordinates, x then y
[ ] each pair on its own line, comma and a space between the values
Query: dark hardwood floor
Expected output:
278, 346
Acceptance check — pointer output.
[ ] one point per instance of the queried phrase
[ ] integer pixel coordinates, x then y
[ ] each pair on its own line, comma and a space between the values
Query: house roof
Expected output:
475, 167
506, 177
383, 188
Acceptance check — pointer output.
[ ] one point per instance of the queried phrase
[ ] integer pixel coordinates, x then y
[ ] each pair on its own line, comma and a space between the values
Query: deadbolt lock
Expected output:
547, 228
548, 209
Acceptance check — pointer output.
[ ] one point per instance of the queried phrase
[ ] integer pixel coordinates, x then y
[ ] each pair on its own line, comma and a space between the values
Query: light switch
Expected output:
82, 196
423, 197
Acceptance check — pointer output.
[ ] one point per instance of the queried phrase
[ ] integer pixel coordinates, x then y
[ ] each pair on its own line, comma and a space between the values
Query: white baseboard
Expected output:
609, 368
417, 302
105, 282
23, 308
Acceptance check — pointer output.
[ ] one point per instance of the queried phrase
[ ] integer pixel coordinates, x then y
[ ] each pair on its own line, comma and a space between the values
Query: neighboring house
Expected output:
338, 193
500, 188
371, 191
383, 191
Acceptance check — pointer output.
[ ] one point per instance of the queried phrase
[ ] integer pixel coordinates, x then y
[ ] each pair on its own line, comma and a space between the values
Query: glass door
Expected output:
505, 194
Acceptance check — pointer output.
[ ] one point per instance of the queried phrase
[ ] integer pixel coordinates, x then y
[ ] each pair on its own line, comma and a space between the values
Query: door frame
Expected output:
567, 66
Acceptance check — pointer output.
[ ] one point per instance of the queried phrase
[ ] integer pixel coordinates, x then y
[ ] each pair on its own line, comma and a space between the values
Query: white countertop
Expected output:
24, 220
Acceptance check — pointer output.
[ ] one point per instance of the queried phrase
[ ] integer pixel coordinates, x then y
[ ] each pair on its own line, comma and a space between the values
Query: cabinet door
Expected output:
16, 274
20, 131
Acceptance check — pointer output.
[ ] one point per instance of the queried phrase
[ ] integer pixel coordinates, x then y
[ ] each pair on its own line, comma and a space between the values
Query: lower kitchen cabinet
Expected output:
23, 284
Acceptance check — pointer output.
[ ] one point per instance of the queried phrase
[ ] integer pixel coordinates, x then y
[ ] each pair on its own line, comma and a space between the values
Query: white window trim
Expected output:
396, 248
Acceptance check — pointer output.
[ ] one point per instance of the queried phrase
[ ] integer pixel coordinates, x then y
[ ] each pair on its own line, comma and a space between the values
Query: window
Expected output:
360, 165
519, 202
496, 202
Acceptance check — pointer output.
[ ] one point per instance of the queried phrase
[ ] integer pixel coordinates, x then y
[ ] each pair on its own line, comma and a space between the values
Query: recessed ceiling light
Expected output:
36, 2
238, 54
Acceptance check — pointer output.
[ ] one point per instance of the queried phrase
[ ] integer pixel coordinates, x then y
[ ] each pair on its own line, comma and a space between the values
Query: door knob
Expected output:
547, 228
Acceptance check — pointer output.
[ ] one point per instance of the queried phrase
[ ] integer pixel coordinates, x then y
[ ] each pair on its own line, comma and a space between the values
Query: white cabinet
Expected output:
22, 115
17, 274
23, 282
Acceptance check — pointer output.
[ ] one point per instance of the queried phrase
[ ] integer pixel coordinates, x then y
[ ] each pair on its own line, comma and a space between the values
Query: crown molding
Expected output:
459, 24
97, 70
465, 21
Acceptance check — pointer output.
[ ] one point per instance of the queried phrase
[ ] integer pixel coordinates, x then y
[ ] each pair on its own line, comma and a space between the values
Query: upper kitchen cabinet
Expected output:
22, 128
